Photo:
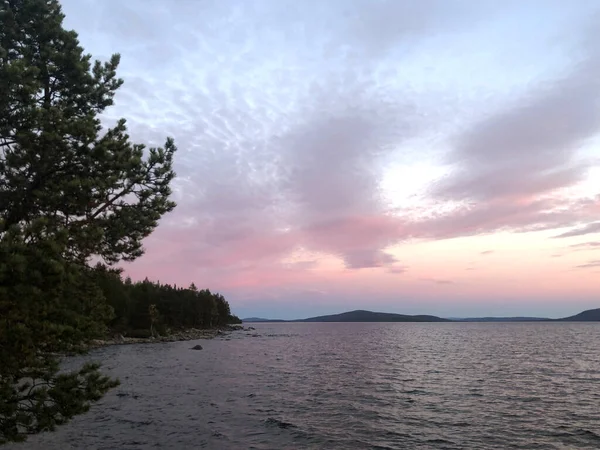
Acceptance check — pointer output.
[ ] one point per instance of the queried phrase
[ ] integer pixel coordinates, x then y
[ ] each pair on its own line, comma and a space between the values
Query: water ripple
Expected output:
351, 386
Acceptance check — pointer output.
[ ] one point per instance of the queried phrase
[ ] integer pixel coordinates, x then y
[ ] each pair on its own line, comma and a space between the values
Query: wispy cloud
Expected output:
287, 115
398, 269
586, 245
437, 281
590, 264
508, 164
587, 229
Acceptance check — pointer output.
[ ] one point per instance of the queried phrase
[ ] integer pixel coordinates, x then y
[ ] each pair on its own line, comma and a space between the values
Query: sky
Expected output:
421, 157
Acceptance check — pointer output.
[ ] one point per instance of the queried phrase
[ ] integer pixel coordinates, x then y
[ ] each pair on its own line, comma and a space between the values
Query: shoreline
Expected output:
191, 334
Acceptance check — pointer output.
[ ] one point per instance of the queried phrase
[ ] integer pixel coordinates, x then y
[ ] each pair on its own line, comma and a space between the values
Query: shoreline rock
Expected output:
191, 334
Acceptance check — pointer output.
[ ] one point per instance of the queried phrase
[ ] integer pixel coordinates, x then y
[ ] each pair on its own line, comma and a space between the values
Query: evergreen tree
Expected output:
146, 308
70, 191
154, 317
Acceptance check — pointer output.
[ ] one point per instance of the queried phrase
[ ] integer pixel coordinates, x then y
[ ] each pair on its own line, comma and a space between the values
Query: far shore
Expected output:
190, 334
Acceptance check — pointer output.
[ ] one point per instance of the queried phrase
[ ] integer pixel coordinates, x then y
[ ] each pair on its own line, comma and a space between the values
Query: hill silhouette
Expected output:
360, 315
590, 315
370, 316
502, 319
260, 319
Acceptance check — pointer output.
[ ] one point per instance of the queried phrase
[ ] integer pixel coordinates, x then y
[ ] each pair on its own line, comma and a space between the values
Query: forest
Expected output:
147, 308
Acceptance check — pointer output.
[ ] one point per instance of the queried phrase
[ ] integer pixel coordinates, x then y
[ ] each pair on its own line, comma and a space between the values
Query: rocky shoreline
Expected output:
191, 334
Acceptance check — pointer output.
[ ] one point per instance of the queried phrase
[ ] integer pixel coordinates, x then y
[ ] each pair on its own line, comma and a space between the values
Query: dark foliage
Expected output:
70, 191
145, 308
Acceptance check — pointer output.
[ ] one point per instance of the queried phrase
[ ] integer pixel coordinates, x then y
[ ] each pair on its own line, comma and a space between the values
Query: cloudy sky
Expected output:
431, 156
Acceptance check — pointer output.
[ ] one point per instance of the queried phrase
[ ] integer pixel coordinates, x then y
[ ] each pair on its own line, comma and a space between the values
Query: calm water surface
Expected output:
351, 386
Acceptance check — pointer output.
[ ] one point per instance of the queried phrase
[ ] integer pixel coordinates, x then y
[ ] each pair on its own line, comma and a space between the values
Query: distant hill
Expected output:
259, 319
591, 315
502, 319
357, 316
370, 316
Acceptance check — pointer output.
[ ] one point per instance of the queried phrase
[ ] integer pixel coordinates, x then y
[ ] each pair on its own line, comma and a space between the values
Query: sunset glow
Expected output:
437, 157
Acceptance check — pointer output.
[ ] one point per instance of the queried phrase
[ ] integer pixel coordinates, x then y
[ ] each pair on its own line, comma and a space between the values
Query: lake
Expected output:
351, 386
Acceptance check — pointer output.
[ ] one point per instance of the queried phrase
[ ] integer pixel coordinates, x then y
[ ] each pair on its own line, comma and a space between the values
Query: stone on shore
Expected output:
190, 334
197, 347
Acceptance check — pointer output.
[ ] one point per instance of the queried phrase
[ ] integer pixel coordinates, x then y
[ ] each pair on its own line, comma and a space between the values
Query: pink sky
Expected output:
434, 157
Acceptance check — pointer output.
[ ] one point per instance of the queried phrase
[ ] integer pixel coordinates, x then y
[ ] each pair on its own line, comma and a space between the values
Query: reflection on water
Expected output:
352, 386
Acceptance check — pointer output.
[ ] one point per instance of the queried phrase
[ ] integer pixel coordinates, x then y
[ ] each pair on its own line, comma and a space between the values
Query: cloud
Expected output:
257, 157
586, 245
286, 114
437, 281
469, 219
529, 148
486, 252
588, 229
313, 171
358, 240
398, 269
507, 166
589, 265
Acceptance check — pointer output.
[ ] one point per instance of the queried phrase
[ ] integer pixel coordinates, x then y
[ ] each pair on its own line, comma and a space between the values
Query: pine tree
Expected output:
154, 317
70, 191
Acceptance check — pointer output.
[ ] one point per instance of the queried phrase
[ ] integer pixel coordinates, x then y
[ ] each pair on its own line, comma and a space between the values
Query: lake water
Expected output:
351, 386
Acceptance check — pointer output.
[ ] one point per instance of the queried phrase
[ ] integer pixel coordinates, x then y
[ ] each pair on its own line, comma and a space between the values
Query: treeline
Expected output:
146, 308
73, 189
